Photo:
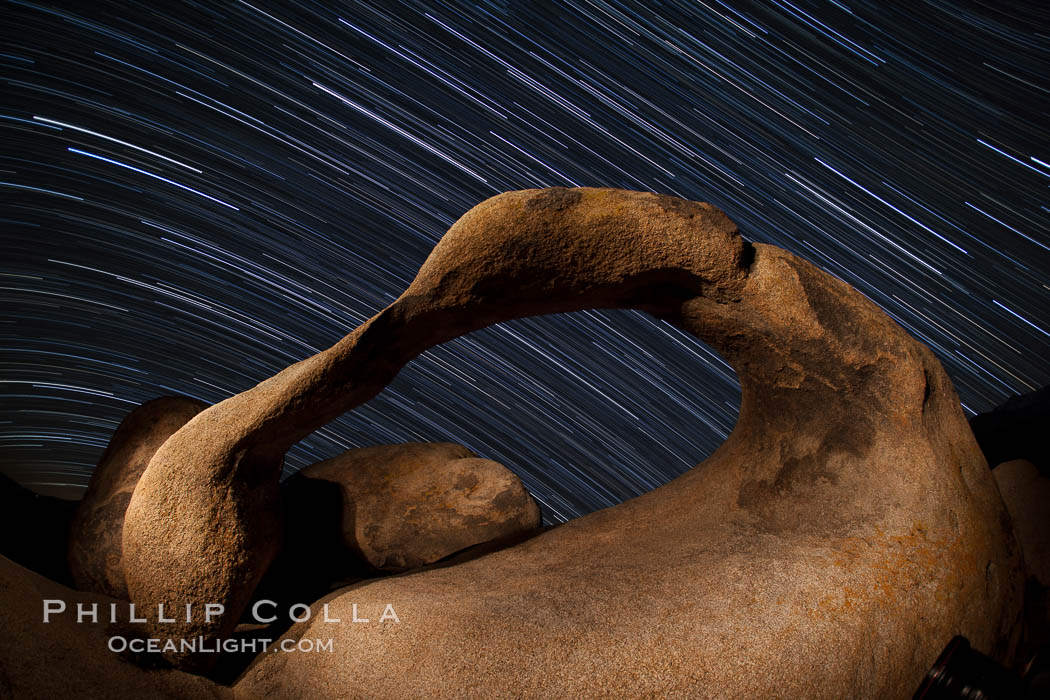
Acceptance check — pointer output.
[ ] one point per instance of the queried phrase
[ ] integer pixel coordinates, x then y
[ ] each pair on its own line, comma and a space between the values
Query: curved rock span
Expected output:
847, 527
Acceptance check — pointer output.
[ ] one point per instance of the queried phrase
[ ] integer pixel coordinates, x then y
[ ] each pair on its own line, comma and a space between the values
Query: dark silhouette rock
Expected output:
95, 536
1027, 496
35, 529
1016, 429
1026, 493
846, 528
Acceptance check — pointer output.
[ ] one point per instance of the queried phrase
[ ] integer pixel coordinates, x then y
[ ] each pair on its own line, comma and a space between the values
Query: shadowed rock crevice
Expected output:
47, 518
376, 510
1013, 439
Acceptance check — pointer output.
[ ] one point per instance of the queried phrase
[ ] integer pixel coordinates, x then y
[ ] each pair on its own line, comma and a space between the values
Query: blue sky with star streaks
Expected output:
198, 194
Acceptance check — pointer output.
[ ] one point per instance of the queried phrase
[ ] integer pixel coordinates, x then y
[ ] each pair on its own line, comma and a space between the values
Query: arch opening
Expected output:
588, 408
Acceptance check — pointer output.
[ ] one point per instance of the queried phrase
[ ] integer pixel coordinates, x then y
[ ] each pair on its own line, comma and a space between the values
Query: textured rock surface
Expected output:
847, 528
95, 536
63, 659
403, 506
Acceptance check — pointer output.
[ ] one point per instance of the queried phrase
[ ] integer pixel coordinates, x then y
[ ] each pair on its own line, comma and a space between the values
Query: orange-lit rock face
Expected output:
844, 531
96, 532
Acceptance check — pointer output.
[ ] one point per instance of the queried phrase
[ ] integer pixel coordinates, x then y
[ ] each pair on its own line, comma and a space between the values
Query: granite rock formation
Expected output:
405, 506
845, 530
96, 533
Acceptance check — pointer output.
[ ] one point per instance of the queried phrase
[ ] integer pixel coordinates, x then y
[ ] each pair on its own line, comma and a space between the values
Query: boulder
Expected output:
96, 532
379, 510
404, 506
847, 528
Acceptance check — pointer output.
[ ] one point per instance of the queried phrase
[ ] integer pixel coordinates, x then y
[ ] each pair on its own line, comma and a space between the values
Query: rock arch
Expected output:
850, 506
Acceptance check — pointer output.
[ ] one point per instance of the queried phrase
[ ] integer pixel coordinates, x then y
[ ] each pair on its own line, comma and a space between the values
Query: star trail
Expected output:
198, 194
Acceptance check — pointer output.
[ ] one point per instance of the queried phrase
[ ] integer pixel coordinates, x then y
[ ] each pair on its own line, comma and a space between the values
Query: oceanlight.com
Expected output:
200, 645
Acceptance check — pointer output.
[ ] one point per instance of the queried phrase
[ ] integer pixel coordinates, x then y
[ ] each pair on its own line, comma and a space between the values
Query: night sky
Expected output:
198, 194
